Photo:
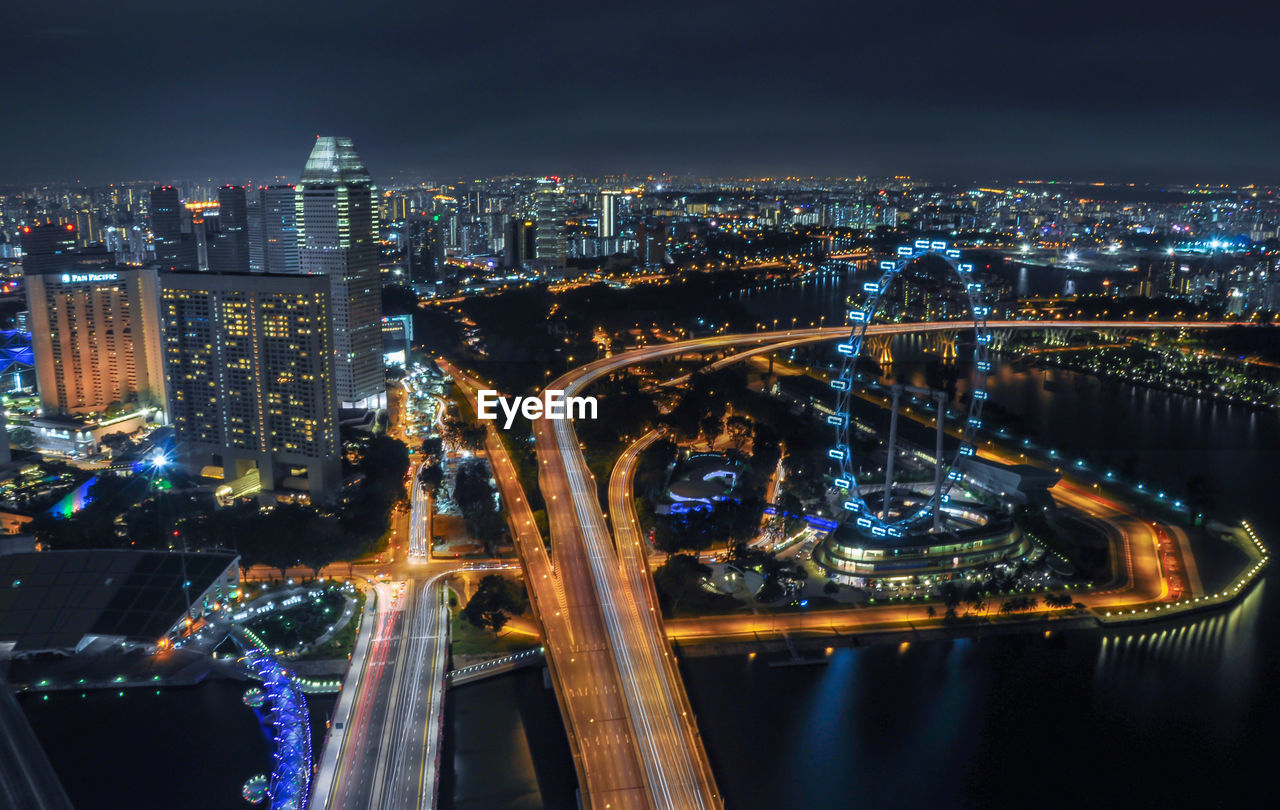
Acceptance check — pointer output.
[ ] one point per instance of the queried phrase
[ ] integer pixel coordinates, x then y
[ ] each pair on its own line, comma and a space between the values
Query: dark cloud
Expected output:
955, 90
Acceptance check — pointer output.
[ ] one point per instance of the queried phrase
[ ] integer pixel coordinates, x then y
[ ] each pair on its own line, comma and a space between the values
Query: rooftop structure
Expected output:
74, 601
703, 481
17, 361
334, 160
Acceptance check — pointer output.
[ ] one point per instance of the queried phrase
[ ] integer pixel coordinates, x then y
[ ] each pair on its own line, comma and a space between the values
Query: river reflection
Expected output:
1161, 715
1175, 714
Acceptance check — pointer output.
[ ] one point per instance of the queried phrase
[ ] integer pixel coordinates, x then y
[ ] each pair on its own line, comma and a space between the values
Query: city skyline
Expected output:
1103, 92
885, 399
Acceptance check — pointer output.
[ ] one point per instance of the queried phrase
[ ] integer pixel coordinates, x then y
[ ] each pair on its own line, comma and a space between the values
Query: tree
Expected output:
93, 525
951, 595
1057, 600
22, 437
325, 542
467, 435
432, 450
494, 599
474, 494
679, 583
726, 522
430, 479
765, 448
792, 510
285, 531
366, 515
710, 426
831, 589
115, 442
975, 598
739, 429
771, 590
495, 620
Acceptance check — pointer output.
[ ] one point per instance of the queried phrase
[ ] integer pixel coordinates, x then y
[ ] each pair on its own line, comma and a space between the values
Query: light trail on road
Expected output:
420, 517
578, 654
607, 609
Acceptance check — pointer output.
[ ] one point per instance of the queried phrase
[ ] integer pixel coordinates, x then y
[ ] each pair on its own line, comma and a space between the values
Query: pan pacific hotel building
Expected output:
94, 326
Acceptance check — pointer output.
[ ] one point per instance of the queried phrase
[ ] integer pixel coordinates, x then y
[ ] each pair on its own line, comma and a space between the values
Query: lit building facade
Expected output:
608, 214
279, 229
94, 329
338, 238
549, 238
249, 364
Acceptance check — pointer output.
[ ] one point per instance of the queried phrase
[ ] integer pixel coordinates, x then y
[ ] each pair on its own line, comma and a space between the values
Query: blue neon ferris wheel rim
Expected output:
855, 509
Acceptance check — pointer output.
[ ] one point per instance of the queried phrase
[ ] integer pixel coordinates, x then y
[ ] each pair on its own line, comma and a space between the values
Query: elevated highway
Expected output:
634, 739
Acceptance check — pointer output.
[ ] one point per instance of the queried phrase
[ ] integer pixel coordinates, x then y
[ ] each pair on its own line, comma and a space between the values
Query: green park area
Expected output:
320, 625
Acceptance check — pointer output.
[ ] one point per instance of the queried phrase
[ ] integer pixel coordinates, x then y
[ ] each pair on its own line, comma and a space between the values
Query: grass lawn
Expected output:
290, 628
341, 645
471, 640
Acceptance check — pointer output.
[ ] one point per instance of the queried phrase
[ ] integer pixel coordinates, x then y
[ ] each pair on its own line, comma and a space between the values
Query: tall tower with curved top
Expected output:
337, 223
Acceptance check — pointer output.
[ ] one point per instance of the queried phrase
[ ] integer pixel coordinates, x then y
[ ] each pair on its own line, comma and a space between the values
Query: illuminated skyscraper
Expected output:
608, 214
249, 363
94, 326
338, 237
549, 241
87, 229
518, 244
273, 240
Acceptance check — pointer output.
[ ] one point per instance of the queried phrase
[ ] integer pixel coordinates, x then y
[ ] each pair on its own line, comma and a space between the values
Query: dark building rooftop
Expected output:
51, 600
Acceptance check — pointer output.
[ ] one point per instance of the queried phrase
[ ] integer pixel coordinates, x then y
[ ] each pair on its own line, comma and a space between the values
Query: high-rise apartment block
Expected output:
250, 368
338, 238
549, 241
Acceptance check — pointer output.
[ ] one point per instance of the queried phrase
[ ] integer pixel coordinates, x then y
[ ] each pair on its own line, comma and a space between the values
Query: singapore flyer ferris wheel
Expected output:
883, 519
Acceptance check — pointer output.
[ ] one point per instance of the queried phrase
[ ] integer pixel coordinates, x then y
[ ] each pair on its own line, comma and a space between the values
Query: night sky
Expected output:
958, 91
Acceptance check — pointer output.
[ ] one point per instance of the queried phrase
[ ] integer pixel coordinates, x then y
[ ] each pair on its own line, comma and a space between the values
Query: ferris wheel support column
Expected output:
941, 397
893, 447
